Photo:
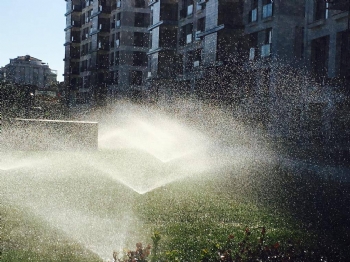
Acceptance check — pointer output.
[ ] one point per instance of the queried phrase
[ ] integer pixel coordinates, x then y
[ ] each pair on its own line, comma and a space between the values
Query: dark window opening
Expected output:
111, 59
141, 39
189, 61
116, 58
103, 61
343, 53
321, 10
186, 34
136, 78
140, 3
168, 12
142, 19
201, 24
116, 78
167, 37
299, 42
139, 59
319, 57
187, 8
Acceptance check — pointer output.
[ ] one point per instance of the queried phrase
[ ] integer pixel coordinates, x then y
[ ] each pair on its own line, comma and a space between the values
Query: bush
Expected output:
248, 249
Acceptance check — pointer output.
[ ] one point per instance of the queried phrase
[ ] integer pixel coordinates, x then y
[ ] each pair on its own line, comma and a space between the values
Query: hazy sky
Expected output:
33, 27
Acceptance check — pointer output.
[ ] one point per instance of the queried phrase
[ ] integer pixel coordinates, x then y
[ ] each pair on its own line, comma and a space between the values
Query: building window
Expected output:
266, 48
186, 34
168, 12
140, 3
321, 10
142, 19
201, 25
112, 40
299, 42
111, 59
139, 58
268, 36
118, 20
197, 57
343, 53
187, 8
189, 61
319, 57
117, 39
190, 10
113, 21
267, 8
135, 78
141, 39
253, 43
116, 77
167, 37
116, 58
253, 14
200, 6
36, 76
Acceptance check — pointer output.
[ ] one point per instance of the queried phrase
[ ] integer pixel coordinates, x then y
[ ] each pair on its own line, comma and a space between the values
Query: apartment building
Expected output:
163, 60
105, 48
28, 70
129, 44
300, 65
327, 55
191, 40
2, 73
275, 33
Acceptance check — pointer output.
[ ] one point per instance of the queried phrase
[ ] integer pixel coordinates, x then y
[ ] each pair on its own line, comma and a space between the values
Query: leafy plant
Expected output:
246, 250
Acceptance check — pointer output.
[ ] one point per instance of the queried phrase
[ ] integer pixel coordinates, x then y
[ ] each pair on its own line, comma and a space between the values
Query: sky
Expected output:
35, 28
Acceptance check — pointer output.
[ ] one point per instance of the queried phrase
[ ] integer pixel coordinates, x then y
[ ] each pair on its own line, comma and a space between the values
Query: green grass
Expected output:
26, 238
191, 214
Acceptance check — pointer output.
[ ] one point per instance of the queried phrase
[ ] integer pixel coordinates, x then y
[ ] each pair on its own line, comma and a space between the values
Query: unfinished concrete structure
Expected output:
190, 41
106, 45
129, 42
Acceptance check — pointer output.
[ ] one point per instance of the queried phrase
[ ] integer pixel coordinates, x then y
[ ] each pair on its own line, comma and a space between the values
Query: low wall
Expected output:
37, 134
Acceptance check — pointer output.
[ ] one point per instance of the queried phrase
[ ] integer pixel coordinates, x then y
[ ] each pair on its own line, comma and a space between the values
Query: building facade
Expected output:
28, 70
327, 57
2, 73
191, 41
106, 45
285, 62
299, 60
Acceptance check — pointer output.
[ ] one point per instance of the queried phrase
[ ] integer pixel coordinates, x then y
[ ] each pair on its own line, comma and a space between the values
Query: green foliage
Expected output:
253, 246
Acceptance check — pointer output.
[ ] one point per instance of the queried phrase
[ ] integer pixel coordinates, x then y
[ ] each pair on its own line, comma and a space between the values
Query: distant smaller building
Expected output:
31, 71
2, 73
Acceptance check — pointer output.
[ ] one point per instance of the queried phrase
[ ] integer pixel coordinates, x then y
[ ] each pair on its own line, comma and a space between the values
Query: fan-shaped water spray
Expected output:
88, 194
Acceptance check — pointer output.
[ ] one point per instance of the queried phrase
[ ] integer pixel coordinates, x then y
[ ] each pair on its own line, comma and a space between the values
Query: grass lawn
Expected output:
85, 215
